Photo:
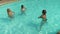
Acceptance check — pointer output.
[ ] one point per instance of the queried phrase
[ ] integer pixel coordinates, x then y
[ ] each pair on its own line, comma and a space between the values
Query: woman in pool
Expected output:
10, 13
43, 16
22, 9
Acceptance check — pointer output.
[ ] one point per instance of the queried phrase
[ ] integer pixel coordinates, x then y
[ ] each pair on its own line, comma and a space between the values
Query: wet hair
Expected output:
22, 6
43, 12
8, 10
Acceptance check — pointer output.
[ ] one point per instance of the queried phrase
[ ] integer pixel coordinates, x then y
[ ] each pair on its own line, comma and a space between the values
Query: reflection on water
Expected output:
33, 25
42, 23
5, 19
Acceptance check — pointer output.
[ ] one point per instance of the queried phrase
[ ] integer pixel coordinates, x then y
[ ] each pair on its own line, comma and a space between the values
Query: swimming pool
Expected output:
29, 23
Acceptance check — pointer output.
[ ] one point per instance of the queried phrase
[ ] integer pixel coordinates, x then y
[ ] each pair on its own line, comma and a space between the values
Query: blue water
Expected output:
29, 23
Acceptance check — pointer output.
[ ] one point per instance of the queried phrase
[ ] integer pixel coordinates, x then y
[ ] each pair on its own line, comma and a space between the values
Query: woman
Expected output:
10, 13
43, 16
22, 9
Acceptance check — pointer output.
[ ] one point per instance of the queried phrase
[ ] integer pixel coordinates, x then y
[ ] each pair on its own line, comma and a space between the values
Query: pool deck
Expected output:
3, 2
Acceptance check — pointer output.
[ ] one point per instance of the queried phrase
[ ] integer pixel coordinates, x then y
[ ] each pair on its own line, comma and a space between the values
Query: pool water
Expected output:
29, 22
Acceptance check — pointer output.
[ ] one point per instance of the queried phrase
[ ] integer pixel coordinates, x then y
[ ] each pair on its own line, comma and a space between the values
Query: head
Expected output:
8, 10
22, 6
43, 12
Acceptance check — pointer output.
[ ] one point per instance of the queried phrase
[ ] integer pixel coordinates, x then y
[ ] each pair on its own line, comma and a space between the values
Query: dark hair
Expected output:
8, 10
22, 6
43, 12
